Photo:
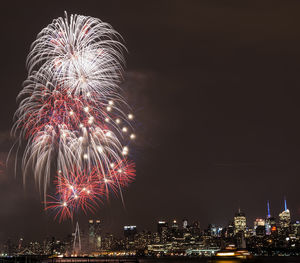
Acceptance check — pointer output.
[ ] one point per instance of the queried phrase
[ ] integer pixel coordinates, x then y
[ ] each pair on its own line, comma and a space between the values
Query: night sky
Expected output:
215, 89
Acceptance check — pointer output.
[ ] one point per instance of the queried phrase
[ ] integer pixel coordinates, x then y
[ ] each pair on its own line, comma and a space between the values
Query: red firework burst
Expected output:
85, 190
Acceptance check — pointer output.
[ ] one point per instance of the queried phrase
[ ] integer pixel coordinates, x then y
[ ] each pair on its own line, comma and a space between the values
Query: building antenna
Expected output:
285, 205
268, 206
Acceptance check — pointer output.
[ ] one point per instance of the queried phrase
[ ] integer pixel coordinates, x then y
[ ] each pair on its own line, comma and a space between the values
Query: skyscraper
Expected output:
285, 219
98, 234
174, 230
184, 223
130, 232
259, 227
174, 224
239, 222
162, 229
94, 234
259, 222
268, 219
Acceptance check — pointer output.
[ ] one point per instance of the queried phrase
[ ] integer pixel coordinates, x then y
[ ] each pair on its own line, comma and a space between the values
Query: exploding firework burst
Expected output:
84, 189
72, 116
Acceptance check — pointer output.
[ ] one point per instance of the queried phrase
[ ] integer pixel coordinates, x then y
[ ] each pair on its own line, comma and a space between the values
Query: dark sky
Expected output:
215, 87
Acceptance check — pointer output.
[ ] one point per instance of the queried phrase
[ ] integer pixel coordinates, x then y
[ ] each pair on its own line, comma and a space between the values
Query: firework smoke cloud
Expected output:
72, 117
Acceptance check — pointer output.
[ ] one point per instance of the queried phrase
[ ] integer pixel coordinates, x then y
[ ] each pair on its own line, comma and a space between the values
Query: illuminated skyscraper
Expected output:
268, 220
130, 232
94, 234
260, 227
285, 219
229, 232
161, 226
214, 231
174, 231
240, 229
174, 224
98, 234
184, 224
162, 229
239, 222
259, 222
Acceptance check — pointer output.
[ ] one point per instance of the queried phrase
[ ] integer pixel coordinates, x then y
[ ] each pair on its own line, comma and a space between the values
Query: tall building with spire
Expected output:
268, 208
239, 222
285, 219
271, 226
268, 219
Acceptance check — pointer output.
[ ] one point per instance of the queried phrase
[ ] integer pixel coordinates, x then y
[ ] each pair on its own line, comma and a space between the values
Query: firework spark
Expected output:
71, 113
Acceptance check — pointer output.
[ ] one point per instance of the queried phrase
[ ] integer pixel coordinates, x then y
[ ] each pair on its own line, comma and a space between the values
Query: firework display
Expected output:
72, 115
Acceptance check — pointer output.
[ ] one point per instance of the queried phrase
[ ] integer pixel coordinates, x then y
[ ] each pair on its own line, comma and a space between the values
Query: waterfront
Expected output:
31, 259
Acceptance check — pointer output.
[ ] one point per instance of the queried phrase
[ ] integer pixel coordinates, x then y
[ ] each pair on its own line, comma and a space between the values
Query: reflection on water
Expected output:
210, 260
193, 260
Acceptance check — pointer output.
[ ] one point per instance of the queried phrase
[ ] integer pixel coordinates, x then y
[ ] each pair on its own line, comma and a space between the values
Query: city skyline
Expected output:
214, 88
181, 222
269, 236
